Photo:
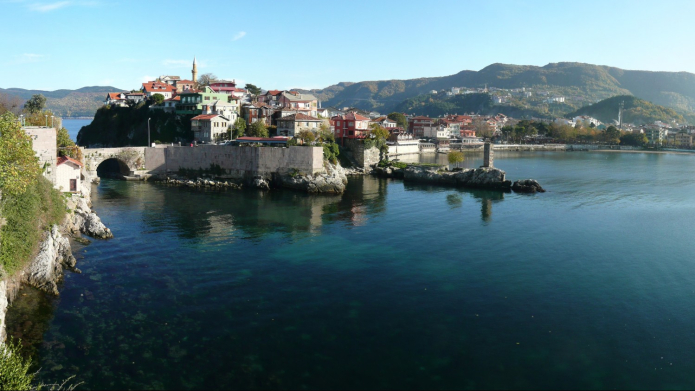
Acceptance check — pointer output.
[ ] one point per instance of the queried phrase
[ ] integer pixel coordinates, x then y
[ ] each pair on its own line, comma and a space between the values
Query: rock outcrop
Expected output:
46, 269
527, 186
481, 178
84, 220
333, 181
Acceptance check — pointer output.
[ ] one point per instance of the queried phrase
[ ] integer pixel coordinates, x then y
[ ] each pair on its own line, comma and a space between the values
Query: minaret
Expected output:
195, 71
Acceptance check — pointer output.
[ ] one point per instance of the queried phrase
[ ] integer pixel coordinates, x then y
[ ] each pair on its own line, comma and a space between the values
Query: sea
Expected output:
391, 285
73, 125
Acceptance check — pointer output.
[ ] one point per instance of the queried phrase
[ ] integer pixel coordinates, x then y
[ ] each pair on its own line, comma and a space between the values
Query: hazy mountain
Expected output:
584, 83
82, 102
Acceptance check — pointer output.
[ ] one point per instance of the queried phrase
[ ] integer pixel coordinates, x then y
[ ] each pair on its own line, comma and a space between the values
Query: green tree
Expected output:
612, 135
325, 135
35, 104
635, 139
253, 89
239, 128
400, 119
158, 99
18, 164
67, 147
378, 136
455, 157
307, 136
257, 129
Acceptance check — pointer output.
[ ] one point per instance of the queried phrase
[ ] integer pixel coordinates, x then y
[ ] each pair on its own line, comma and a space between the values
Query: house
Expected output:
169, 105
154, 87
229, 110
350, 126
271, 97
384, 122
184, 85
134, 97
68, 174
655, 135
115, 99
226, 86
295, 123
171, 80
303, 103
253, 112
209, 127
684, 139
322, 113
416, 125
439, 131
192, 100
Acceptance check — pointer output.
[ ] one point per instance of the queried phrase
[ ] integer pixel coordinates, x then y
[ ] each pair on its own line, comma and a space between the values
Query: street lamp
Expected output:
148, 132
21, 119
52, 120
46, 115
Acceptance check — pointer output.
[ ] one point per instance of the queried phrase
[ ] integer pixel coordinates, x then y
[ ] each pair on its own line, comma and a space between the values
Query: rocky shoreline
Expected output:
489, 178
333, 181
55, 256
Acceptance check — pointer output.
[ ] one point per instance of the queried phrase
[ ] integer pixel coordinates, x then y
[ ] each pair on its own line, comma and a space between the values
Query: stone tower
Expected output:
195, 71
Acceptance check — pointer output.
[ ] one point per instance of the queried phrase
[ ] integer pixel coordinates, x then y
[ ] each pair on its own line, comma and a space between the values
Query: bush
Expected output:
14, 369
27, 216
331, 152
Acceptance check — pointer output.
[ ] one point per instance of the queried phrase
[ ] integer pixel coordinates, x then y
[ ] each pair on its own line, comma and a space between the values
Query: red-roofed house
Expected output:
350, 125
209, 127
416, 125
115, 99
183, 85
68, 174
154, 87
270, 97
291, 125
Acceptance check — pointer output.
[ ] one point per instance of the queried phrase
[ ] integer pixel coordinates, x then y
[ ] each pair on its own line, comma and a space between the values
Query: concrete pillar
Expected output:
489, 155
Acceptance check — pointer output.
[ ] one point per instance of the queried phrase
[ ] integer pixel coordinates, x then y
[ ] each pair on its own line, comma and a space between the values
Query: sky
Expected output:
277, 44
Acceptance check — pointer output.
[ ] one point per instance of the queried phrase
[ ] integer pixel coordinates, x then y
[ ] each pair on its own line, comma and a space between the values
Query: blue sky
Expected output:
312, 44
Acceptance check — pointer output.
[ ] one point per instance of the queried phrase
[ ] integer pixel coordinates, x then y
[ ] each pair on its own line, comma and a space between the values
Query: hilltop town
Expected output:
220, 111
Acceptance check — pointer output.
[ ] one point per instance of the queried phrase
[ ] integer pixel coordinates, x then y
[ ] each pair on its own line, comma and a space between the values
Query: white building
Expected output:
229, 110
68, 174
291, 125
209, 127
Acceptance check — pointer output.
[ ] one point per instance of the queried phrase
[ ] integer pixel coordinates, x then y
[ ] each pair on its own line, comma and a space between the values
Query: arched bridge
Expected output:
114, 161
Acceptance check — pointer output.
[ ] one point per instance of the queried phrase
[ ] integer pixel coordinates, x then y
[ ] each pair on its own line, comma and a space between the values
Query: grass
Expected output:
27, 216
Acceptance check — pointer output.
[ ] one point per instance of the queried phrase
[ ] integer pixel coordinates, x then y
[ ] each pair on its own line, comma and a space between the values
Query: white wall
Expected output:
64, 173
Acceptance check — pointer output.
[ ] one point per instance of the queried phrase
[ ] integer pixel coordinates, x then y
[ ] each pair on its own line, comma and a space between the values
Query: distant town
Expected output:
216, 107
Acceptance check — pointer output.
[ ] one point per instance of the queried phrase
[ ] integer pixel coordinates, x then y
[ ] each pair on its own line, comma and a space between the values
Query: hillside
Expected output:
82, 102
636, 111
580, 83
436, 106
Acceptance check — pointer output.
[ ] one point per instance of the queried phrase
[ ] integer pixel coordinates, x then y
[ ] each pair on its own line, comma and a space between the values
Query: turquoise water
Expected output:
391, 285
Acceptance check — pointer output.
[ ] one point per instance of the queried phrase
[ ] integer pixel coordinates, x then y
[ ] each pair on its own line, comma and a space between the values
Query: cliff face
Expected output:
55, 253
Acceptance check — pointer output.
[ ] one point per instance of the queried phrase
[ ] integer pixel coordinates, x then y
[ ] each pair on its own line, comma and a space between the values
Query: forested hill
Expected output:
82, 102
636, 111
583, 82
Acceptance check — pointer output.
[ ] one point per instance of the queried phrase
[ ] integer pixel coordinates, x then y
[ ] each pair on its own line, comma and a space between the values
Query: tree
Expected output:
158, 99
18, 164
378, 136
307, 136
35, 104
455, 157
205, 79
325, 135
482, 128
612, 135
239, 128
12, 104
253, 89
636, 139
67, 147
400, 119
257, 129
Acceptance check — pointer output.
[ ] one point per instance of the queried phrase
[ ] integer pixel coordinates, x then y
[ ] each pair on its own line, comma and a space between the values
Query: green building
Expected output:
192, 101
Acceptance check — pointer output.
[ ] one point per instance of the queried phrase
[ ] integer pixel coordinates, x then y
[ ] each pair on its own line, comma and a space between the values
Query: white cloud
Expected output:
29, 57
47, 7
239, 35
177, 63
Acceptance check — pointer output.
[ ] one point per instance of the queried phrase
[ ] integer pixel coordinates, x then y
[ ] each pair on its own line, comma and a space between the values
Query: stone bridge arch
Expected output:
126, 160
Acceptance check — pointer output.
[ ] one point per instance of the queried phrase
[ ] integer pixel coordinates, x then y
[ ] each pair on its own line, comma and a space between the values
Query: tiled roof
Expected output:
185, 82
115, 95
274, 92
154, 86
299, 117
65, 159
206, 116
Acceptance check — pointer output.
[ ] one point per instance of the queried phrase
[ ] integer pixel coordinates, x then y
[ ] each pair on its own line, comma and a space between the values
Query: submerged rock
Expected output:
527, 186
482, 178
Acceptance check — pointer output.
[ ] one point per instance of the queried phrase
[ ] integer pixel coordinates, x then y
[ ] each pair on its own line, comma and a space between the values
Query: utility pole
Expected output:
148, 132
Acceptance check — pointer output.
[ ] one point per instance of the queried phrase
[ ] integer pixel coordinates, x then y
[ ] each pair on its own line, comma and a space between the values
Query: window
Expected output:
351, 124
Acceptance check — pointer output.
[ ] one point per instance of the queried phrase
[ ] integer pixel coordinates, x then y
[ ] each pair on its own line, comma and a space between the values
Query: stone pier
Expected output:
489, 156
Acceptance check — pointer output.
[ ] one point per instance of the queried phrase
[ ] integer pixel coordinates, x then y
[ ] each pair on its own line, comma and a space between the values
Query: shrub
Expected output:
14, 369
